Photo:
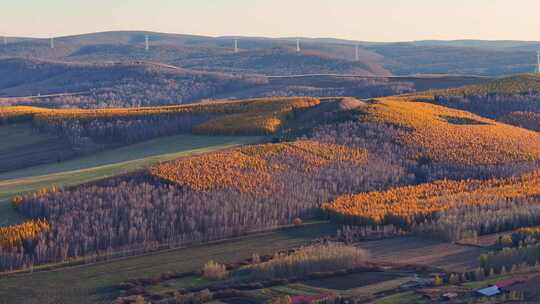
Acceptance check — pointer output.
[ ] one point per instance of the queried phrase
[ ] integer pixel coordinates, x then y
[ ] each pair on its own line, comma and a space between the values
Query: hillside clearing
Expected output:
106, 164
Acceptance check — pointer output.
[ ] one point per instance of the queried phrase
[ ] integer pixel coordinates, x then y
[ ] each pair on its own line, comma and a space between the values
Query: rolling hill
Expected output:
514, 100
111, 84
379, 144
105, 183
455, 58
517, 84
489, 58
272, 56
413, 166
448, 135
57, 84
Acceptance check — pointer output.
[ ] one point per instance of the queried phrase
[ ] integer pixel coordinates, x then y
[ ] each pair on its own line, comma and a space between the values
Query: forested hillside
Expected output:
55, 84
275, 56
363, 147
514, 100
79, 132
130, 84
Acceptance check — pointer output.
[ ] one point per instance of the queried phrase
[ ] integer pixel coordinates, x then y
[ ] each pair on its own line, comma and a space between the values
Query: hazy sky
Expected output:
368, 20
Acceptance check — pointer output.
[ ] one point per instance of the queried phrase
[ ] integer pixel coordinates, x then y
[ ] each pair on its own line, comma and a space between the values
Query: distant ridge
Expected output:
257, 55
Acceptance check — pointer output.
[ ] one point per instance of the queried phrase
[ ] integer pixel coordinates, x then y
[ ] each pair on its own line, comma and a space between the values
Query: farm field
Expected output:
421, 251
96, 283
365, 285
106, 164
21, 147
353, 281
402, 298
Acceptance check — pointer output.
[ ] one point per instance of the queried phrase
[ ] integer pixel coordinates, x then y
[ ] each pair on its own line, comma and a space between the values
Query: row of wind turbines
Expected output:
299, 49
237, 49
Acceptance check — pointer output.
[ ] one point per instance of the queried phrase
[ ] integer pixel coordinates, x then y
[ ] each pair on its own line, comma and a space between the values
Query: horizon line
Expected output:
232, 36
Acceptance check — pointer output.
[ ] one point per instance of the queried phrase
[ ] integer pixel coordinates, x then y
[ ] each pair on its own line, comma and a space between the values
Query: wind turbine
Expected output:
538, 58
5, 40
357, 54
52, 42
298, 45
236, 45
146, 43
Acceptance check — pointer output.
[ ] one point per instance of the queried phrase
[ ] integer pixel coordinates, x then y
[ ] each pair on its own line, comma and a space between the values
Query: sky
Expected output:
364, 20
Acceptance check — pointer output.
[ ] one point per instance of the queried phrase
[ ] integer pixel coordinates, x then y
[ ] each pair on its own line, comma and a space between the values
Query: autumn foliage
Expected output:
519, 84
406, 205
260, 116
13, 114
526, 235
447, 135
218, 170
251, 168
13, 236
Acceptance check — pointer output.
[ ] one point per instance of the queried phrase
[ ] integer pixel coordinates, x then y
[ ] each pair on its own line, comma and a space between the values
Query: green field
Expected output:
22, 147
96, 283
106, 164
17, 135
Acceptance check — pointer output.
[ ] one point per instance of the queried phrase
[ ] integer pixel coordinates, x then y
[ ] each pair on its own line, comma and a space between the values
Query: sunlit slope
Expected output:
518, 84
257, 169
246, 117
448, 135
407, 203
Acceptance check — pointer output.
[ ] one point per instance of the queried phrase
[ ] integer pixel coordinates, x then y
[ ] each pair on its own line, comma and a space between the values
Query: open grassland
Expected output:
96, 283
448, 135
106, 164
